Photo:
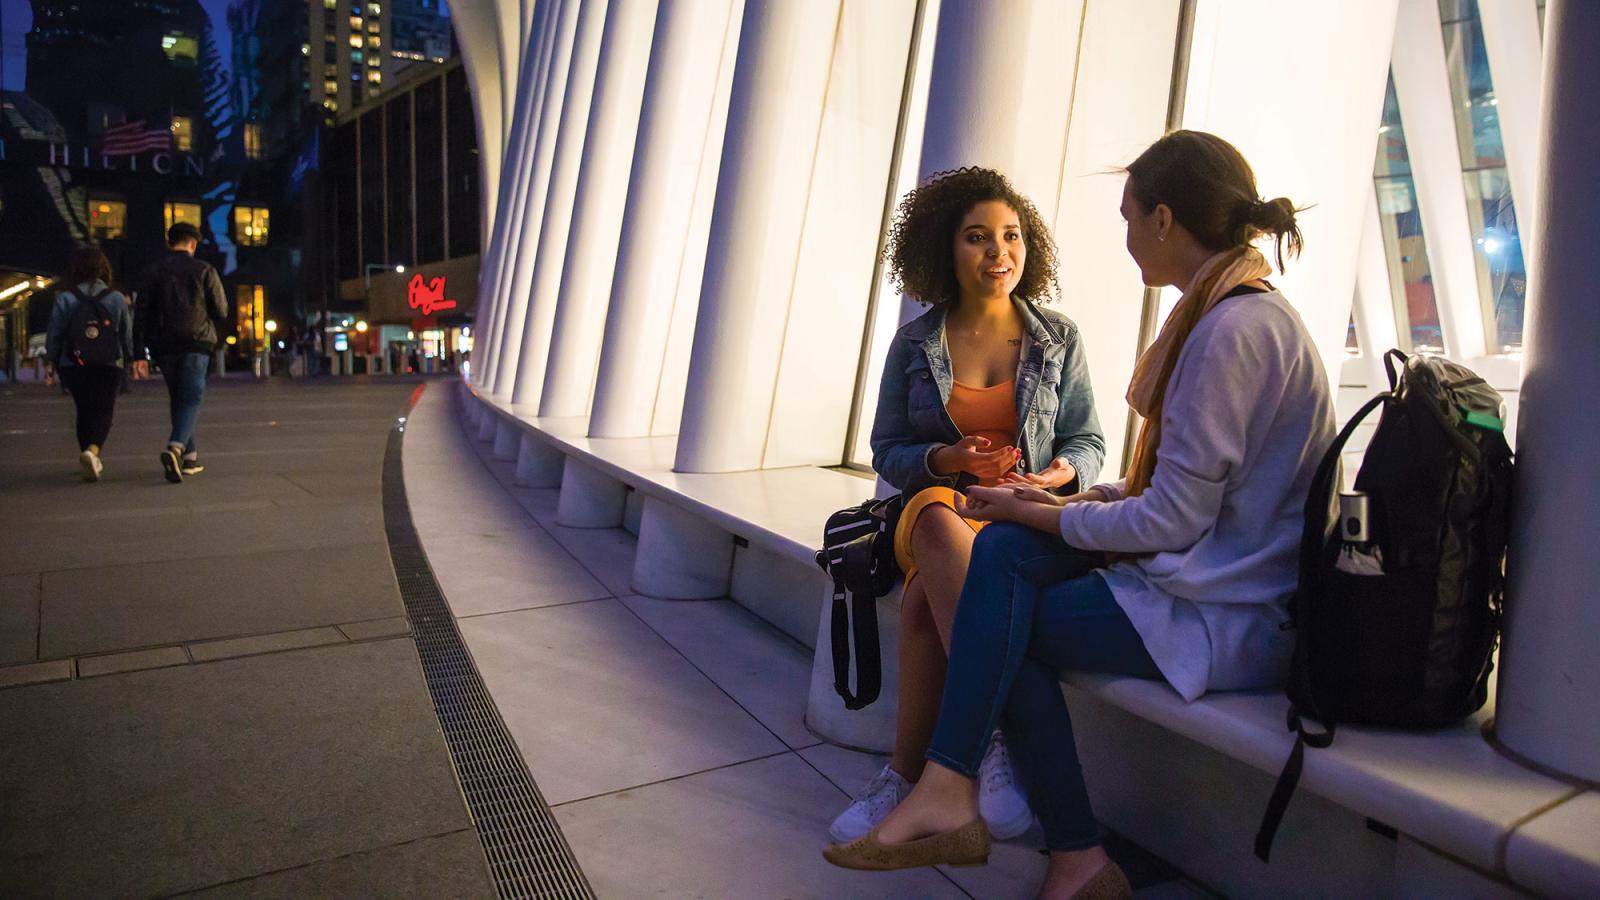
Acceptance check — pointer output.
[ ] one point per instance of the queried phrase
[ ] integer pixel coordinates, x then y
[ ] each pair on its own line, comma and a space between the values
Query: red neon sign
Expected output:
427, 296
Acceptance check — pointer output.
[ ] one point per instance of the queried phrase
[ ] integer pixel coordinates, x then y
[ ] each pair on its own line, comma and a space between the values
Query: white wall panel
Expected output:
1298, 88
843, 220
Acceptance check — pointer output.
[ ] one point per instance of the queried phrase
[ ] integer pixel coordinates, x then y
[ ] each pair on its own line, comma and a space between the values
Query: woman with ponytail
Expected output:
1178, 572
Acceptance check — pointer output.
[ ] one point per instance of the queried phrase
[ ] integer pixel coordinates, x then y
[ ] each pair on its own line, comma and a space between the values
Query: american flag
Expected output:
132, 137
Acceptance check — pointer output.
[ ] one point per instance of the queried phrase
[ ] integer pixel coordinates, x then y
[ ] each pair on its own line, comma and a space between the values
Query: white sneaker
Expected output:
89, 462
882, 794
1001, 801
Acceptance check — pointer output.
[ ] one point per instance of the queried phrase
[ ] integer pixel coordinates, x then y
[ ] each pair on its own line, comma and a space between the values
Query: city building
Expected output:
400, 217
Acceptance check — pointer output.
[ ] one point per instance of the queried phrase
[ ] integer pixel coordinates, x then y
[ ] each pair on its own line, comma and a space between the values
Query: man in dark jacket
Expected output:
179, 311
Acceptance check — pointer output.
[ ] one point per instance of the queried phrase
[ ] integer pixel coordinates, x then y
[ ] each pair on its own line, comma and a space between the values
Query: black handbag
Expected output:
858, 552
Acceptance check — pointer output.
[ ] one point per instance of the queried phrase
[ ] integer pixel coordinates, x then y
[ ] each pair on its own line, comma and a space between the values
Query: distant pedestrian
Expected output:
89, 343
179, 312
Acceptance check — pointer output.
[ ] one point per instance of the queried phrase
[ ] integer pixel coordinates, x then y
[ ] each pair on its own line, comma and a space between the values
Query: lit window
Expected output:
177, 45
330, 87
177, 212
252, 140
331, 105
374, 61
327, 37
108, 219
375, 76
356, 55
355, 23
374, 27
250, 226
182, 133
374, 9
331, 70
330, 4
374, 42
355, 40
305, 49
250, 312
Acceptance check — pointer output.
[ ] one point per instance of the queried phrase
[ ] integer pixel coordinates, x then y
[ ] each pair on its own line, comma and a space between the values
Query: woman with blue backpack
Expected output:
90, 345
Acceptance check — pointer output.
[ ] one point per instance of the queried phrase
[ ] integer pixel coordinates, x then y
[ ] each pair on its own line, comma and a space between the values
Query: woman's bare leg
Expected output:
922, 663
942, 543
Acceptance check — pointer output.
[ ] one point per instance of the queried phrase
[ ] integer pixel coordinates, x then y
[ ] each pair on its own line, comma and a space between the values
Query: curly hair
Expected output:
918, 253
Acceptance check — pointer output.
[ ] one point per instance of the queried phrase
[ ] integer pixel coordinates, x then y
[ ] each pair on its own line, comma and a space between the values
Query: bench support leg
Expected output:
505, 440
589, 498
681, 556
538, 464
486, 424
871, 728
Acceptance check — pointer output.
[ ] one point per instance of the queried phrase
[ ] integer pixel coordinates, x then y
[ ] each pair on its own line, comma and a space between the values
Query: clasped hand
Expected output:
1009, 502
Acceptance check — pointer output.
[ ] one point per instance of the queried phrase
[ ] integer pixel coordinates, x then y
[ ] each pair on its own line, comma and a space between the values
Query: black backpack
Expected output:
858, 551
1399, 629
92, 337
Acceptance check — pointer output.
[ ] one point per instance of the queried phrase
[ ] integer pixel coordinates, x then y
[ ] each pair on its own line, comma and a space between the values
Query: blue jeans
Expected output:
1031, 607
185, 374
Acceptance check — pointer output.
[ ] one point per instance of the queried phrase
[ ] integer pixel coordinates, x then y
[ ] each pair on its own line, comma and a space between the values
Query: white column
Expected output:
1550, 661
1023, 50
530, 220
1511, 37
474, 24
514, 173
591, 251
1117, 111
664, 229
774, 115
1324, 88
548, 263
1422, 85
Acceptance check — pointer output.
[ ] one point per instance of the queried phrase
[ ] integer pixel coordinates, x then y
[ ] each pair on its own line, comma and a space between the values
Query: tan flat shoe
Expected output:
964, 846
1110, 883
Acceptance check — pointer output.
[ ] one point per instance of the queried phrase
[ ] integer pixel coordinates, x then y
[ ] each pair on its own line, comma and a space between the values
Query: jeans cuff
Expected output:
962, 770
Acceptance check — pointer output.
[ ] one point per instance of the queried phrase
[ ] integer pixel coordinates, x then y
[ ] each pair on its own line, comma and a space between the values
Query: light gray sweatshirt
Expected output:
1248, 415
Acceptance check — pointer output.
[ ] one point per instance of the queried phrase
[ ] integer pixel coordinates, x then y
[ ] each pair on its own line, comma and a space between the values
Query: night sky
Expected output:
16, 17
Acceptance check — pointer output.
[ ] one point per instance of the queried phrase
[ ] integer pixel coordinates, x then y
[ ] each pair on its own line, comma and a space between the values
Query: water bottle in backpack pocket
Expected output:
1401, 586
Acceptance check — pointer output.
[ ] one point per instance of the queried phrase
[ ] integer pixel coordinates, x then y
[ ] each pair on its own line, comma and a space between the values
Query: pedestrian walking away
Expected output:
89, 344
179, 311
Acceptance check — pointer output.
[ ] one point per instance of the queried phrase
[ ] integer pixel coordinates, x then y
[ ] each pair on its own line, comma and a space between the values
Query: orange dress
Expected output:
989, 412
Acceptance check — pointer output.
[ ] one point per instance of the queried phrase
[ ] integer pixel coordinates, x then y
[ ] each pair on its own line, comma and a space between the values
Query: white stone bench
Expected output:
1379, 813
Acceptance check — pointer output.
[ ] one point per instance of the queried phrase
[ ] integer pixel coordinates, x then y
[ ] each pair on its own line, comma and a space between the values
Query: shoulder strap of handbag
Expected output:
1311, 549
853, 576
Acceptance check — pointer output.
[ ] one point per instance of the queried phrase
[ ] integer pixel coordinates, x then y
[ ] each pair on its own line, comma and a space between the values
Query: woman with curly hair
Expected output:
1178, 572
985, 388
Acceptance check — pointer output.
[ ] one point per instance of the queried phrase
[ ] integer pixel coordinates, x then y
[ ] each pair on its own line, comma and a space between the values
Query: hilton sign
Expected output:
82, 157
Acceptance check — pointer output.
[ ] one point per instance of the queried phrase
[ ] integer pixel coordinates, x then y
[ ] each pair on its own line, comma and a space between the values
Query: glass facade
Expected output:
1497, 244
1410, 278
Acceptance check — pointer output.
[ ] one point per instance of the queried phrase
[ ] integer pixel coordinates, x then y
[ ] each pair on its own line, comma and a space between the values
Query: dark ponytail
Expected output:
1211, 191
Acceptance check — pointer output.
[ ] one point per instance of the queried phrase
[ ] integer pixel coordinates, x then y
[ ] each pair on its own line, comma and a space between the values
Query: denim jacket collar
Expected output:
928, 329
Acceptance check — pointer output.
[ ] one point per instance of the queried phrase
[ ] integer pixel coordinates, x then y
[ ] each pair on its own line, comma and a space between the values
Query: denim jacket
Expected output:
56, 351
1055, 404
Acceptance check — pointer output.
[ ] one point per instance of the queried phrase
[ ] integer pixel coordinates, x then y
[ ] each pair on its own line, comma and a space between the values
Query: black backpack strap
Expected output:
1389, 359
856, 579
1288, 779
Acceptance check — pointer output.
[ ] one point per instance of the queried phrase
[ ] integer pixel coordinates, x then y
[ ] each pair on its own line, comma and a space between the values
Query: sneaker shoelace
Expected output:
876, 785
997, 775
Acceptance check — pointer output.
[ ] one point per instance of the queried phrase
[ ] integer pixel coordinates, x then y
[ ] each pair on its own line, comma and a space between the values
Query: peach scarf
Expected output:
1147, 392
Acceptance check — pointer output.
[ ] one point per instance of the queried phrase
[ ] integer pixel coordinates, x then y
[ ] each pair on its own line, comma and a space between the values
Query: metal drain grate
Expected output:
527, 853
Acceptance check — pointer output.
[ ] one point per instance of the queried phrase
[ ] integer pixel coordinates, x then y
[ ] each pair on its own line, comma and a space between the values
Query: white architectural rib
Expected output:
598, 202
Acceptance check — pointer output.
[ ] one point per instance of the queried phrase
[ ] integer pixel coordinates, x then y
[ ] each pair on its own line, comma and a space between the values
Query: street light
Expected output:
399, 269
266, 349
362, 326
